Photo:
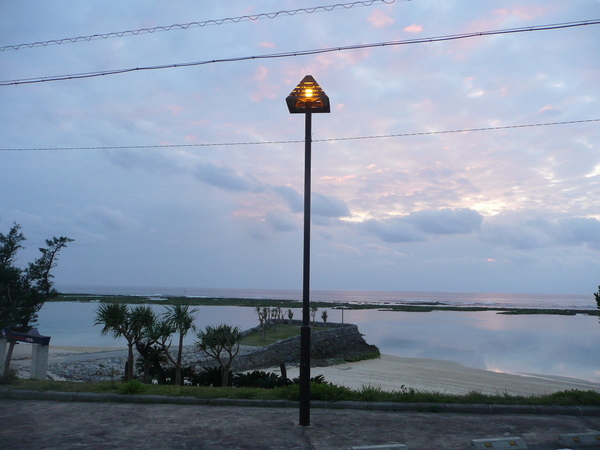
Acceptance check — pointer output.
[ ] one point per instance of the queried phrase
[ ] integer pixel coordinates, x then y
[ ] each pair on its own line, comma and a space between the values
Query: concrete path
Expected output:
39, 424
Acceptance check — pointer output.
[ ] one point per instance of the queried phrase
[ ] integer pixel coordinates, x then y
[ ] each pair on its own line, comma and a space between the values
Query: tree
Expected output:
181, 320
222, 343
313, 313
152, 349
597, 297
324, 316
118, 320
290, 315
24, 291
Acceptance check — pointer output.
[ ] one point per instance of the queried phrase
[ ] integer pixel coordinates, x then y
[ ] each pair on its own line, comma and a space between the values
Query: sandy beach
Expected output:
389, 373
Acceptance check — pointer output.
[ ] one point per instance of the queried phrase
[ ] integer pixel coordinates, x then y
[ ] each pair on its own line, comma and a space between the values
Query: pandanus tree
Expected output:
181, 320
222, 343
121, 321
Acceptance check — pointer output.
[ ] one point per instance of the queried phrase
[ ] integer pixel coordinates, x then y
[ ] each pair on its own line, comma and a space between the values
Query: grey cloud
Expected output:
447, 221
578, 231
111, 218
539, 233
150, 162
394, 230
322, 205
291, 197
329, 206
225, 177
280, 221
416, 226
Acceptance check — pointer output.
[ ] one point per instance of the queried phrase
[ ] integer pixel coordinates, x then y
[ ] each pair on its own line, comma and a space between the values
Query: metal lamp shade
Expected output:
308, 97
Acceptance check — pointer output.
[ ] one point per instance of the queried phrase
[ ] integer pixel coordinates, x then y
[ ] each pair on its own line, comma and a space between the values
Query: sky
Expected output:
148, 203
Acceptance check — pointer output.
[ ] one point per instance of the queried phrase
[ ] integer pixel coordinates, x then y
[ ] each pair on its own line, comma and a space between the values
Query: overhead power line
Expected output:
185, 26
303, 52
224, 144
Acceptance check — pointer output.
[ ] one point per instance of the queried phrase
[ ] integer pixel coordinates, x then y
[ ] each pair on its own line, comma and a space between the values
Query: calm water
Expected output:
540, 344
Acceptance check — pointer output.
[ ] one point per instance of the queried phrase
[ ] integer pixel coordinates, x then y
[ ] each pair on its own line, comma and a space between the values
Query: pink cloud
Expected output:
380, 20
267, 44
414, 28
261, 73
175, 109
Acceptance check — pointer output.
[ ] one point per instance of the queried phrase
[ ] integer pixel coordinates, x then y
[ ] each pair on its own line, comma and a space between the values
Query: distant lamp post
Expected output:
307, 98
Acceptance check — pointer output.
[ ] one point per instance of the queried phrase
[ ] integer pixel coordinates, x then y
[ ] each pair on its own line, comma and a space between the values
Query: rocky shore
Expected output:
333, 343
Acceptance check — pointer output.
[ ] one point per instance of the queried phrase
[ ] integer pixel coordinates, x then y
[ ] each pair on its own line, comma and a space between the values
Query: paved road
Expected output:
39, 424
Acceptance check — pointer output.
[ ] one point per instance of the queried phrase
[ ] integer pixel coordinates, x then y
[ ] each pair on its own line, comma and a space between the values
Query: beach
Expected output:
388, 373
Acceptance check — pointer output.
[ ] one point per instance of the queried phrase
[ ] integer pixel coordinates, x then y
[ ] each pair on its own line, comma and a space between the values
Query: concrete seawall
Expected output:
328, 341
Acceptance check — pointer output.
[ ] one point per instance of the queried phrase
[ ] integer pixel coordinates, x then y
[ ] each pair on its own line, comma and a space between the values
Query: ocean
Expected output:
524, 344
511, 300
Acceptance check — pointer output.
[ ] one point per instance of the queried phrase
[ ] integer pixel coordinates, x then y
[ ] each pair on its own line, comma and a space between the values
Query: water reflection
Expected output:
541, 344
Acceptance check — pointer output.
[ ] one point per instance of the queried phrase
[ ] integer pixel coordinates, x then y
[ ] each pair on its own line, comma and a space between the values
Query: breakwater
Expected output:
329, 342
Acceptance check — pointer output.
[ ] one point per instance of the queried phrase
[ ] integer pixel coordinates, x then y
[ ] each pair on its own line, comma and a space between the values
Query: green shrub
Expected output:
576, 397
133, 387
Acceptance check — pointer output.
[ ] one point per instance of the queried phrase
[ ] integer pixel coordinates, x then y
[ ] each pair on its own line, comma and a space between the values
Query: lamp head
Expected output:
308, 97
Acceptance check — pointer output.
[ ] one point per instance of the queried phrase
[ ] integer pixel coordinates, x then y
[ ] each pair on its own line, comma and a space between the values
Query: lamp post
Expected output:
307, 98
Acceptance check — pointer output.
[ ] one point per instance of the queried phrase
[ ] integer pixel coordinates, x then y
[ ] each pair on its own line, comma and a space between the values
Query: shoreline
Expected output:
387, 373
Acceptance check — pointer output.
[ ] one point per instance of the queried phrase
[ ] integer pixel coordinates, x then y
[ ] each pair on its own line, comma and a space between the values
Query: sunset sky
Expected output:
119, 162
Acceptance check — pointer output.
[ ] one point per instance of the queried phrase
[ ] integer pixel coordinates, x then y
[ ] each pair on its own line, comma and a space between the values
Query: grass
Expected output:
272, 335
326, 392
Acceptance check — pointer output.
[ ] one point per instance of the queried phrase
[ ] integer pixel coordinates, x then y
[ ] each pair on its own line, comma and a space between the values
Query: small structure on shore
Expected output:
39, 350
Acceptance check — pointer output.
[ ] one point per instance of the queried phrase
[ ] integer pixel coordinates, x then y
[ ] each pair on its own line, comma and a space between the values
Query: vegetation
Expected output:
319, 391
283, 332
222, 343
24, 291
181, 320
131, 323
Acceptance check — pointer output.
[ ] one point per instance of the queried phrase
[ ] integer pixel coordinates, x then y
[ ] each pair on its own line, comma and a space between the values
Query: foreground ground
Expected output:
30, 424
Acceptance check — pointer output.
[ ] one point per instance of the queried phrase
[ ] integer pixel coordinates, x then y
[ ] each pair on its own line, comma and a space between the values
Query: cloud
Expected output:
321, 204
225, 178
291, 196
281, 221
540, 233
395, 230
416, 227
446, 221
110, 218
328, 206
380, 20
414, 28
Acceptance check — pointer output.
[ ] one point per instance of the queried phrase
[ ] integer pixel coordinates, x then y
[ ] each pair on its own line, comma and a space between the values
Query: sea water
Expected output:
535, 344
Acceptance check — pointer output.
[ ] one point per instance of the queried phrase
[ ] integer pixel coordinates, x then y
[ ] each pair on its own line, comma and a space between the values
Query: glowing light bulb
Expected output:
308, 92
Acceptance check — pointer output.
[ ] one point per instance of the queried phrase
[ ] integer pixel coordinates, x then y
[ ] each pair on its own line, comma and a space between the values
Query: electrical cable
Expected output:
229, 144
302, 52
185, 26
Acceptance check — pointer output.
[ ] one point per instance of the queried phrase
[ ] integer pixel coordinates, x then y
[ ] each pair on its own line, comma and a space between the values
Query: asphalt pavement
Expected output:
108, 422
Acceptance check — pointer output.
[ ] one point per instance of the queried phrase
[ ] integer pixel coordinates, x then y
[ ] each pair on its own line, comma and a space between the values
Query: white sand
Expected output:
391, 373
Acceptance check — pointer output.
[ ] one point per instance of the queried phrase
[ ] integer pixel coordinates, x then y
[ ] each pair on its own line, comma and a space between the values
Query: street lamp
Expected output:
307, 98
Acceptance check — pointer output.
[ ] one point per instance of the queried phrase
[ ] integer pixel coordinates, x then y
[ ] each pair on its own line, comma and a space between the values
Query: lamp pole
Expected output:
306, 98
305, 330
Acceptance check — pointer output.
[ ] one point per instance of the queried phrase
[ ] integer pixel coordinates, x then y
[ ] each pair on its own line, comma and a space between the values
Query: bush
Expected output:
209, 376
259, 379
133, 387
319, 391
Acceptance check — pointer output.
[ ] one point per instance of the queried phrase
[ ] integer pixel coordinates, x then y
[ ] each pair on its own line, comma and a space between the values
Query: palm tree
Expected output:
118, 320
181, 319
